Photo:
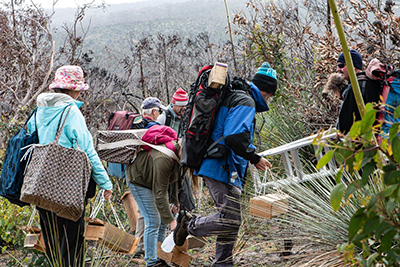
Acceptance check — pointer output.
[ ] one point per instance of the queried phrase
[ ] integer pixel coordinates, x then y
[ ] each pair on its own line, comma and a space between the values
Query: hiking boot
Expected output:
160, 263
180, 232
139, 254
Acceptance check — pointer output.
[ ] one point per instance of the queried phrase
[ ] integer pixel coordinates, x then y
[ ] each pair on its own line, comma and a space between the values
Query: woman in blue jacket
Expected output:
64, 238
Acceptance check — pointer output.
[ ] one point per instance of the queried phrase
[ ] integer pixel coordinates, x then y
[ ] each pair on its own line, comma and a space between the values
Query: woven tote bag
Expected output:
57, 177
119, 146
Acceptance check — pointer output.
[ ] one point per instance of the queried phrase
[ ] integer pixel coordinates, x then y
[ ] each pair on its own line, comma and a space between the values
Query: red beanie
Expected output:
180, 98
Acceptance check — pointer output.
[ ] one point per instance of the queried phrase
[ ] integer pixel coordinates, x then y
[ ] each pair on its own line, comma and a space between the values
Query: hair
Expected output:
60, 90
195, 180
148, 111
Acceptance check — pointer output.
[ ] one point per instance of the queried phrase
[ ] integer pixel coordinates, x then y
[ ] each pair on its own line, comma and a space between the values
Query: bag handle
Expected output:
30, 115
100, 205
59, 129
32, 217
31, 147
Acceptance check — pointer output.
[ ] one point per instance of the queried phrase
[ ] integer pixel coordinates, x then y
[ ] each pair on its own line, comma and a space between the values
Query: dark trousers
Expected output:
225, 223
64, 239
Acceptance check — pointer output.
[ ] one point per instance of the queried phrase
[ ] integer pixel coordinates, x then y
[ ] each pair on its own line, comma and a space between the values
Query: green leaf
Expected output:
397, 112
368, 107
357, 222
367, 171
367, 121
392, 177
354, 186
342, 247
390, 206
396, 149
336, 196
355, 130
319, 149
388, 191
382, 229
325, 159
393, 131
389, 168
384, 144
387, 240
342, 154
371, 224
358, 159
339, 175
372, 202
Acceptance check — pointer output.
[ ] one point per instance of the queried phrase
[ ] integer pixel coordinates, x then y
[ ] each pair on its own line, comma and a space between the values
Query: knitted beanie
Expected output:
265, 79
355, 57
180, 98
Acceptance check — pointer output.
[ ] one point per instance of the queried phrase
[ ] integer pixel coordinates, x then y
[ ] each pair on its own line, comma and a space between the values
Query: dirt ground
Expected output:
252, 249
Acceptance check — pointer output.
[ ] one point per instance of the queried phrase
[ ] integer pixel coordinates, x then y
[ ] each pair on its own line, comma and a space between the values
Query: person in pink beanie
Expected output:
172, 116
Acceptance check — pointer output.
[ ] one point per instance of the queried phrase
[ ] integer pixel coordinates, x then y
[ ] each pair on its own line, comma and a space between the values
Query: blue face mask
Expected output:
261, 105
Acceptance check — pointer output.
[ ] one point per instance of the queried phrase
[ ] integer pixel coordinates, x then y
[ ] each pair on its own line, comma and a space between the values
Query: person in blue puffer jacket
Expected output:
392, 102
64, 238
224, 174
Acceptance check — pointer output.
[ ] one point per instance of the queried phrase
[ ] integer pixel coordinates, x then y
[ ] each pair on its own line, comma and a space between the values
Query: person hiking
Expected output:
370, 90
172, 116
224, 174
149, 178
342, 67
151, 110
64, 238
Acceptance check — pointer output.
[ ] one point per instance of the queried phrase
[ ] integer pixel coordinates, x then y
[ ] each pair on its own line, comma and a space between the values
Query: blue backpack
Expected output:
392, 101
12, 175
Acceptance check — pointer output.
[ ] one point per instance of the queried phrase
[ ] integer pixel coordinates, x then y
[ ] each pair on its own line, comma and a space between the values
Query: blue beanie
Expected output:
355, 56
265, 79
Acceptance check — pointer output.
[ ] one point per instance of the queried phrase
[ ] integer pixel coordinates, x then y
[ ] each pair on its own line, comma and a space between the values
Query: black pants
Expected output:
225, 223
64, 239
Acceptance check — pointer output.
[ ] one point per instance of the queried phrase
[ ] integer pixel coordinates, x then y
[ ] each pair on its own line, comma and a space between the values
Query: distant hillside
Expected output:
112, 27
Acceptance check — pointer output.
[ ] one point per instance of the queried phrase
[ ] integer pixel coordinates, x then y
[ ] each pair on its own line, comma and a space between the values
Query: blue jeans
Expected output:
154, 229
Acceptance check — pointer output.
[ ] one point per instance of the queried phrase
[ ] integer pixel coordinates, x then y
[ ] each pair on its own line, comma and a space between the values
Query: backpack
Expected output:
12, 175
159, 134
392, 101
185, 193
390, 81
198, 119
118, 121
125, 120
371, 91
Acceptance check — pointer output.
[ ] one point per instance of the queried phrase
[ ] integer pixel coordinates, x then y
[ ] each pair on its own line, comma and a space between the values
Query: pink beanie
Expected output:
180, 98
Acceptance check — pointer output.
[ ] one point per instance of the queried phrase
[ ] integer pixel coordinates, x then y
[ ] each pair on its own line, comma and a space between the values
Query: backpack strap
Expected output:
168, 117
33, 113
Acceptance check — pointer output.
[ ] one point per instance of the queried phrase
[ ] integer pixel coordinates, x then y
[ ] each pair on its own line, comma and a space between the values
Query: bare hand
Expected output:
173, 225
175, 209
263, 164
107, 194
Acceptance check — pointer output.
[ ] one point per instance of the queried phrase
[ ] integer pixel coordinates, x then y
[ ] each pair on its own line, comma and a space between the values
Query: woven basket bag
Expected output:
57, 178
119, 146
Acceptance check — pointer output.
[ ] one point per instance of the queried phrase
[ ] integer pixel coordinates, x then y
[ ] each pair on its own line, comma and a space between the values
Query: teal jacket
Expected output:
50, 107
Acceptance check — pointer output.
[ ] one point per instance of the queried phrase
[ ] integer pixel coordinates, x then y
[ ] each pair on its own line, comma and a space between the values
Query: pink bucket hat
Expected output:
70, 78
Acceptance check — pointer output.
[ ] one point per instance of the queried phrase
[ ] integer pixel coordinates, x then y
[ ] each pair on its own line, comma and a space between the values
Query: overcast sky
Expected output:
75, 3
